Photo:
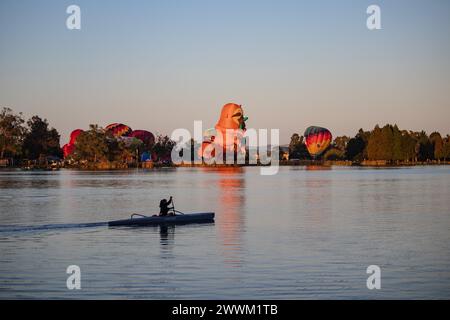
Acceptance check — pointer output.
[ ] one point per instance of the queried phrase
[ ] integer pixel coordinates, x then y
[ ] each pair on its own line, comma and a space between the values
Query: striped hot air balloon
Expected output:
317, 140
118, 130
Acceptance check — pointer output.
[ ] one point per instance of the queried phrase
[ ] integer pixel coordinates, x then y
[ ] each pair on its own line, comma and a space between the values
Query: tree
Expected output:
163, 148
40, 140
341, 143
126, 150
446, 148
424, 148
92, 145
397, 150
334, 154
297, 148
385, 144
438, 145
407, 145
356, 149
374, 144
11, 133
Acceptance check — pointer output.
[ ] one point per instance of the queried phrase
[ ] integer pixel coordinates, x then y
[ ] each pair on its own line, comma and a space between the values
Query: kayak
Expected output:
157, 220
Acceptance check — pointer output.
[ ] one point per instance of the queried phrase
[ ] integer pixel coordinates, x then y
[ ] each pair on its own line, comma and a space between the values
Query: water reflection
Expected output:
167, 236
317, 168
231, 220
318, 198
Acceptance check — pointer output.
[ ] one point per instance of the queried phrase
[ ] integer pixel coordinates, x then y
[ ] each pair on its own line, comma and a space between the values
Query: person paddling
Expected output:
164, 207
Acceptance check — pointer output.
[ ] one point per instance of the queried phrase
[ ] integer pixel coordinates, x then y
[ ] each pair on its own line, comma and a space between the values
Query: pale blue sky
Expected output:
160, 65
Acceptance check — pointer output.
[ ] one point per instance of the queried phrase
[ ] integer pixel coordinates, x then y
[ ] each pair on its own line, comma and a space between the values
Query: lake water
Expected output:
305, 233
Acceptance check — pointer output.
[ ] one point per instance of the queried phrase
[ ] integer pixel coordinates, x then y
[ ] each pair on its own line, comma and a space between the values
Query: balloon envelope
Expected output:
119, 129
231, 117
68, 149
145, 136
74, 135
128, 141
317, 140
209, 134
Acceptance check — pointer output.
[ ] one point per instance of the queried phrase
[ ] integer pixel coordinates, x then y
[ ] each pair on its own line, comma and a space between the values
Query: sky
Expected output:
159, 65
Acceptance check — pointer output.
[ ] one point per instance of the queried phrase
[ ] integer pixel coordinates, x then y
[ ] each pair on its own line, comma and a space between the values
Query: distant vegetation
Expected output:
30, 141
34, 140
388, 143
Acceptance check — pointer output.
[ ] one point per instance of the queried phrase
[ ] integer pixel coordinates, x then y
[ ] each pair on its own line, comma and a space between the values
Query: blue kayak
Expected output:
157, 220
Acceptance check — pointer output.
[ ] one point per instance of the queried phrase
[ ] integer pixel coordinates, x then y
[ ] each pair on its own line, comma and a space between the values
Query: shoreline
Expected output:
284, 163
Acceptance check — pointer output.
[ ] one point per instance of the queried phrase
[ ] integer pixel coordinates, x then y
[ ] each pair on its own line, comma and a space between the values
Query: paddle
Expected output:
173, 208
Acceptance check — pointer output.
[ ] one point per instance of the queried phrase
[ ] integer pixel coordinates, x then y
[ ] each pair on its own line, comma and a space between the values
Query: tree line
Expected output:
97, 145
387, 143
35, 140
20, 139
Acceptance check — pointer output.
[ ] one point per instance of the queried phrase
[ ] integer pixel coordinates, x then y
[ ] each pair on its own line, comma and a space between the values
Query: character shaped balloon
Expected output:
230, 127
227, 134
231, 117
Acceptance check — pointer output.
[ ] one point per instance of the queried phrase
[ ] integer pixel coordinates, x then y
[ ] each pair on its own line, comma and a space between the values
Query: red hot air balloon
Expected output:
74, 135
119, 130
68, 149
317, 140
145, 136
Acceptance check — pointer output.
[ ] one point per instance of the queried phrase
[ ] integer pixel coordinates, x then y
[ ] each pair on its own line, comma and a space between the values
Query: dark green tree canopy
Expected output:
11, 133
40, 140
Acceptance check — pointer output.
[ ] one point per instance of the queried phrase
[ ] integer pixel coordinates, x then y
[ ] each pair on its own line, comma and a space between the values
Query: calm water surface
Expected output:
307, 232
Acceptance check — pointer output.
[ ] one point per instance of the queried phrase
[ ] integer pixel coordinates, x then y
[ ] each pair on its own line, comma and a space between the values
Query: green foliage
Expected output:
357, 147
334, 154
340, 143
297, 148
393, 145
388, 143
424, 147
163, 148
11, 133
97, 145
446, 148
92, 145
39, 140
438, 145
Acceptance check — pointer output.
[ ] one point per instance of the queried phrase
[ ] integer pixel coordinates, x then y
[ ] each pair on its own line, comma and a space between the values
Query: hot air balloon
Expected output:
231, 117
68, 149
207, 150
74, 135
230, 125
118, 130
209, 134
145, 136
317, 140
